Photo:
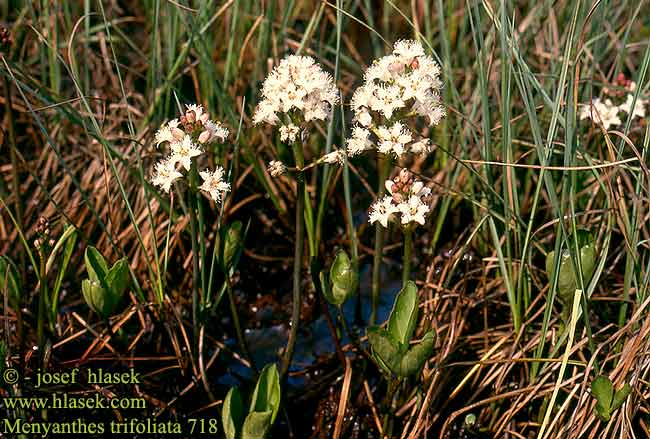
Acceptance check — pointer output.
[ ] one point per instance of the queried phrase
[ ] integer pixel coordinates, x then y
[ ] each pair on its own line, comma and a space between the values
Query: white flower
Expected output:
413, 210
359, 141
297, 85
335, 157
265, 112
430, 109
393, 140
384, 69
639, 107
214, 184
408, 50
183, 151
277, 168
388, 100
601, 112
169, 132
382, 210
397, 87
199, 113
409, 198
363, 98
164, 134
288, 133
406, 79
213, 131
420, 147
420, 190
165, 174
364, 118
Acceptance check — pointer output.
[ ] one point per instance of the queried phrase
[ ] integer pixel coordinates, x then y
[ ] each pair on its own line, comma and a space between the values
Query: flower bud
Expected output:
231, 245
204, 137
365, 118
178, 133
396, 68
343, 279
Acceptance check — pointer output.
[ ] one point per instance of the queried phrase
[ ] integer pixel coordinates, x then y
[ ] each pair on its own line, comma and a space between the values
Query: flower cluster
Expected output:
296, 91
401, 86
407, 197
277, 168
186, 137
607, 112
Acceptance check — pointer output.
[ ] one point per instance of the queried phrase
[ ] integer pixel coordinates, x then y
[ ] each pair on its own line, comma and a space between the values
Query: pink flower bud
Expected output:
204, 136
204, 117
396, 67
190, 116
178, 133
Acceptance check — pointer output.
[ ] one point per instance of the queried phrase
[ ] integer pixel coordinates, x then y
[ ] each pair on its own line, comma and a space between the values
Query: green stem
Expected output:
390, 393
41, 298
195, 255
235, 318
408, 250
382, 167
353, 336
297, 260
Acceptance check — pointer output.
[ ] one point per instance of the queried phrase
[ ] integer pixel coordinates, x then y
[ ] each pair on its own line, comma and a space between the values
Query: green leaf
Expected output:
588, 261
603, 413
412, 362
403, 317
257, 425
603, 390
231, 245
96, 265
70, 237
105, 288
386, 351
567, 279
344, 279
9, 281
620, 396
232, 413
119, 278
327, 291
266, 396
94, 295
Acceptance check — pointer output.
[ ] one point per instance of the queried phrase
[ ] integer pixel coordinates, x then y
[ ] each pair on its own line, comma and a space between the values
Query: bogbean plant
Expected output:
565, 270
295, 95
399, 97
105, 288
400, 92
186, 138
262, 411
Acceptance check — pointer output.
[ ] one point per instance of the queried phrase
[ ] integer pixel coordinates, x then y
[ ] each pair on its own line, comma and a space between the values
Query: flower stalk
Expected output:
41, 297
195, 254
235, 318
408, 250
382, 166
297, 260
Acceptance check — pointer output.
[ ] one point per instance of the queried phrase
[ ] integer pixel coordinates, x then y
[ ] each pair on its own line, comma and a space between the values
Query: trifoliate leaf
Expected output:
404, 315
232, 413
